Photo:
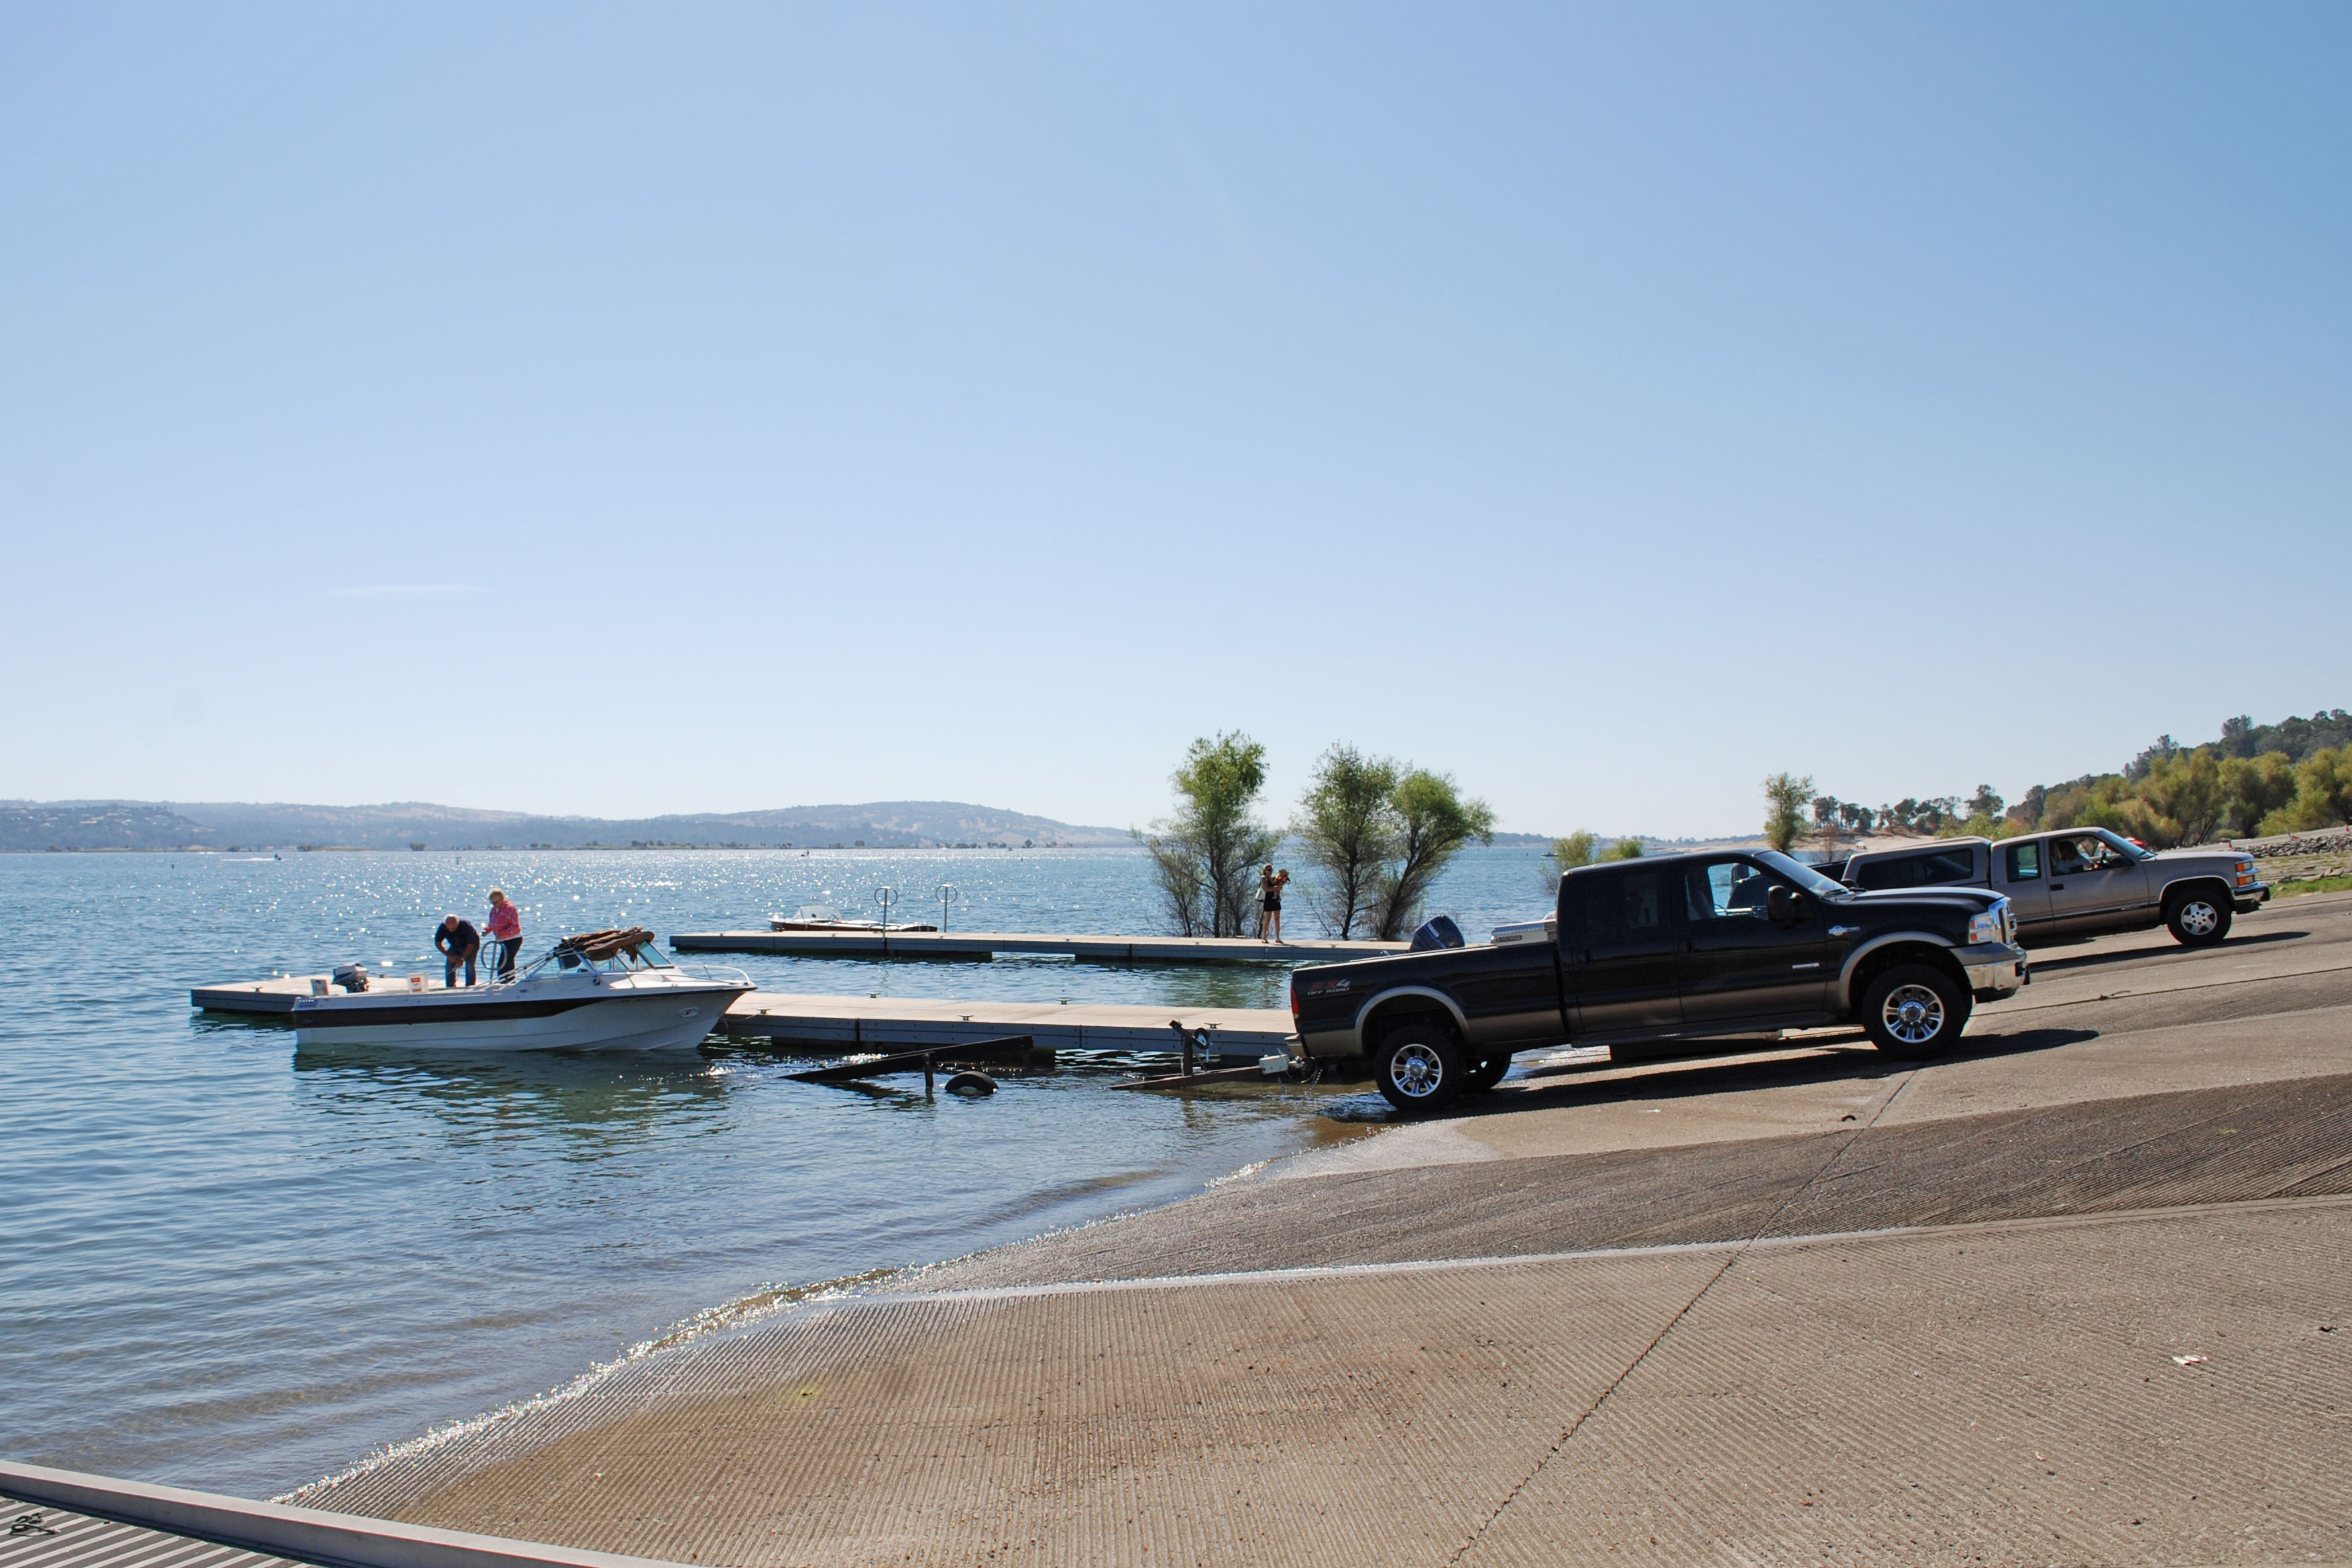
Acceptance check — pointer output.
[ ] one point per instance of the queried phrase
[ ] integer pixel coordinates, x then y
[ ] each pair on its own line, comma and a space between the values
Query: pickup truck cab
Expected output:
1666, 948
2079, 881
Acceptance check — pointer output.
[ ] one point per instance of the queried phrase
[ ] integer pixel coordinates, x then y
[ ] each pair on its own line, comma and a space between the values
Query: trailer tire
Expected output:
1420, 1068
1486, 1075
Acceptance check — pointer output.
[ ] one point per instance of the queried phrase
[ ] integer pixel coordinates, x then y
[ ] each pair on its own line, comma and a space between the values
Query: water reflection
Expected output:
604, 1100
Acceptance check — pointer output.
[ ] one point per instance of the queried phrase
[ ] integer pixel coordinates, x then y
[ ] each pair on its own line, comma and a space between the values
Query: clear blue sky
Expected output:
838, 403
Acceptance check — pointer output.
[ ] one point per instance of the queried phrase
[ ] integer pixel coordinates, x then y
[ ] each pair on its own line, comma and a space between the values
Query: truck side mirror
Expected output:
1782, 905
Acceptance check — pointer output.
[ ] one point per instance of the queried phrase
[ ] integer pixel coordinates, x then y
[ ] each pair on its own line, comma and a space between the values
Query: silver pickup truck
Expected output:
2078, 881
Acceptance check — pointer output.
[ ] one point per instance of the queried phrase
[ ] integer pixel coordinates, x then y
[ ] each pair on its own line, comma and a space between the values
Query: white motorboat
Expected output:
824, 917
606, 990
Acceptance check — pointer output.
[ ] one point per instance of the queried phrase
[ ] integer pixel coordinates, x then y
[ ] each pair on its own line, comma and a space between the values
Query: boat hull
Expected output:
607, 1019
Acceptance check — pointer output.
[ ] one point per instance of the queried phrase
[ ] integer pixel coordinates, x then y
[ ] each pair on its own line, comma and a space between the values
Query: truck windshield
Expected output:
1804, 876
2124, 846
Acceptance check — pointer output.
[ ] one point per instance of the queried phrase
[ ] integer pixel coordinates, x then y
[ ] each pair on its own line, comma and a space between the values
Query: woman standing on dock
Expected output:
505, 926
1270, 884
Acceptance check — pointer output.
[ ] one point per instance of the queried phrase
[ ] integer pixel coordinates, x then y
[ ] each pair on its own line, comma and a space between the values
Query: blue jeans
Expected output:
503, 966
449, 971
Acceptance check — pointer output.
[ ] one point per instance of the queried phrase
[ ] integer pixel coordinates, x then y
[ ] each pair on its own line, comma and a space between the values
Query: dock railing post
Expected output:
886, 897
1184, 1036
947, 896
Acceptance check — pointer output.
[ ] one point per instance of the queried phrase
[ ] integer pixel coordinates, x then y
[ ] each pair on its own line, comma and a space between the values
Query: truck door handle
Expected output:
2057, 887
1844, 931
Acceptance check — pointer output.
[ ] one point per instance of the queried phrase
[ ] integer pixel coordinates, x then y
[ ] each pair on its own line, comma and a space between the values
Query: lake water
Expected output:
229, 1264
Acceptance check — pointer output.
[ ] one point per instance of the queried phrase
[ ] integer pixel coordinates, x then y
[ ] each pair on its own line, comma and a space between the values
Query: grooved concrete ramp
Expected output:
2004, 1394
2076, 1294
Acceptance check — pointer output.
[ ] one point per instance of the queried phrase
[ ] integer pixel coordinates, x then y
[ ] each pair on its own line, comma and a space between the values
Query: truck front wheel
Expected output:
1913, 1011
2196, 919
1420, 1068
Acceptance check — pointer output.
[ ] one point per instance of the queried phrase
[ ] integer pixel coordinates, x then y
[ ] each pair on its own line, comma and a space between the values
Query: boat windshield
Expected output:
603, 952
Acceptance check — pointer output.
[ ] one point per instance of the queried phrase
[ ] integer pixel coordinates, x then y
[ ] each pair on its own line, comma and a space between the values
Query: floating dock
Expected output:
987, 943
869, 1022
873, 1023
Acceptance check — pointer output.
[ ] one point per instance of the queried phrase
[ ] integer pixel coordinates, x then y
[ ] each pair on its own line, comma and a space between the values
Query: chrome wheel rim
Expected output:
2199, 918
1416, 1071
1914, 1014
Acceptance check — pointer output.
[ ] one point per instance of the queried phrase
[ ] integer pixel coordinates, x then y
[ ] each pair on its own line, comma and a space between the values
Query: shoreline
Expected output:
775, 1307
1331, 1306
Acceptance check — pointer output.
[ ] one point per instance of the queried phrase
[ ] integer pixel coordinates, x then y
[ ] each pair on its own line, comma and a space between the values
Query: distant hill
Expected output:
99, 825
38, 826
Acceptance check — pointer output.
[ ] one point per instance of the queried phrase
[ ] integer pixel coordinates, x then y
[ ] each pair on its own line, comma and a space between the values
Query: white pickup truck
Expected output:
2078, 881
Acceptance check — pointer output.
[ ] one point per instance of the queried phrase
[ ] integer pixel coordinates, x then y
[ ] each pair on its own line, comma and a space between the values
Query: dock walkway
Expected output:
865, 1022
871, 1023
984, 943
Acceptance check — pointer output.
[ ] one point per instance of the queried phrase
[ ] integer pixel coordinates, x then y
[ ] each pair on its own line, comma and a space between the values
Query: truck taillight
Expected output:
1294, 1003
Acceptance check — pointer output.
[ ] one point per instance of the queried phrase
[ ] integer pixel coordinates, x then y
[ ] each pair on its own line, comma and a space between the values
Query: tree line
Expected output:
1378, 831
2256, 780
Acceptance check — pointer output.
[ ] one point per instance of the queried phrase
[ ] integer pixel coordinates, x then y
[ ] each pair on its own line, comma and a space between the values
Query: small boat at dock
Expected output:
606, 990
824, 917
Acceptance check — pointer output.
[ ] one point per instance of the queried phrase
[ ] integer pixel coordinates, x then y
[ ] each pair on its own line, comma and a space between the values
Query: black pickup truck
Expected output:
1666, 948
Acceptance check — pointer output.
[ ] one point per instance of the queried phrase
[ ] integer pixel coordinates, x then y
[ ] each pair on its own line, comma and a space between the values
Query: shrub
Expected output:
2322, 794
1786, 797
1347, 824
1206, 856
1433, 822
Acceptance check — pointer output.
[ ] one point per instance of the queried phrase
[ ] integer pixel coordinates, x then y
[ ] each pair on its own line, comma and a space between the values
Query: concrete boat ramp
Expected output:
871, 1023
980, 944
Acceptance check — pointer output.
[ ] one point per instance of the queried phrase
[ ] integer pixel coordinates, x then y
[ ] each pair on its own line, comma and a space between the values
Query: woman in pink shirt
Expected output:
505, 928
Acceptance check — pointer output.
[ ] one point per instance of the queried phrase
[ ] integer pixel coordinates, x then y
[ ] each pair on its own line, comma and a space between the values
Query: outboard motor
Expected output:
352, 976
1438, 930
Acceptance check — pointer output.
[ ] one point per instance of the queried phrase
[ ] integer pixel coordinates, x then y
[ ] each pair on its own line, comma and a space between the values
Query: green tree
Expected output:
2179, 798
1626, 849
1346, 823
1981, 827
1787, 799
2257, 786
2322, 794
1207, 854
1578, 849
1433, 822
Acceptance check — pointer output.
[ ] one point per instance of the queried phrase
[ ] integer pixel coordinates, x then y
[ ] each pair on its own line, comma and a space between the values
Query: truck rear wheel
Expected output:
1913, 1011
1420, 1068
2196, 919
